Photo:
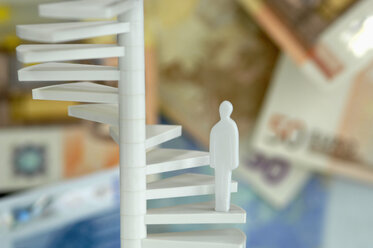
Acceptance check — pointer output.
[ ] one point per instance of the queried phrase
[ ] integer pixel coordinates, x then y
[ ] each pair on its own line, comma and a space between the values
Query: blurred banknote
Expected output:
39, 155
322, 129
274, 178
328, 39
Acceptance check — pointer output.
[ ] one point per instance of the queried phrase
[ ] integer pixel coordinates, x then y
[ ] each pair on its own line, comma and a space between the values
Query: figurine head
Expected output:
225, 109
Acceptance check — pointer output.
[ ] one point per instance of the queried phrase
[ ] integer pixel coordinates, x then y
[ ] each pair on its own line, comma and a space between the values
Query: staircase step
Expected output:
163, 160
68, 72
85, 9
196, 213
77, 92
187, 184
65, 52
102, 113
155, 135
70, 31
222, 238
108, 114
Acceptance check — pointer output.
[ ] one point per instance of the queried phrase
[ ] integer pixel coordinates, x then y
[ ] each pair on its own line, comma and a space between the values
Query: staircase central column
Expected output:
132, 129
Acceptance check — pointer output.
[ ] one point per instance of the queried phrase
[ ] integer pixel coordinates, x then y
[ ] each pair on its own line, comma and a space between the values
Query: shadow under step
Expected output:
196, 213
183, 185
223, 238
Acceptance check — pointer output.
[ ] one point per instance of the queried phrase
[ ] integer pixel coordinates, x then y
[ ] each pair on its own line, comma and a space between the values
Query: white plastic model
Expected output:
224, 155
123, 108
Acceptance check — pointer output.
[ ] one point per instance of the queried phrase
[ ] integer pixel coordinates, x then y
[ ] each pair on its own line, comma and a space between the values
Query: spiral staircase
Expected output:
123, 108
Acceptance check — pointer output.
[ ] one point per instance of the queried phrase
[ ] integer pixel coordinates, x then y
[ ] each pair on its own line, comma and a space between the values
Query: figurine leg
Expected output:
222, 190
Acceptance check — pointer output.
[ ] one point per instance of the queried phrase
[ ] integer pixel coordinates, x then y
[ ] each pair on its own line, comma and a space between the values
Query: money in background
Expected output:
327, 39
323, 129
38, 155
275, 178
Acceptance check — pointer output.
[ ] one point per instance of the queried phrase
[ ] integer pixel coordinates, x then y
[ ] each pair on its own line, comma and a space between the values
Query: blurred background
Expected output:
299, 74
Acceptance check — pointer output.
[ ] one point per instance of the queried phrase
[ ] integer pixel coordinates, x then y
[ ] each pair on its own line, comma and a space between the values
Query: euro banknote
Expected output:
327, 39
33, 156
324, 130
275, 178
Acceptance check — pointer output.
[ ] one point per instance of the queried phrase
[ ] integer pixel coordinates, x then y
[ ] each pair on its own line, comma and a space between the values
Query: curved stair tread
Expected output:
155, 134
187, 184
108, 114
195, 213
159, 134
164, 160
221, 238
70, 31
102, 113
64, 52
85, 9
77, 92
68, 72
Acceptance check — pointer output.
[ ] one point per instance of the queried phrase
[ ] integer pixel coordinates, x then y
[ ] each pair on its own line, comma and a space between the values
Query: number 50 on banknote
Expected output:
326, 130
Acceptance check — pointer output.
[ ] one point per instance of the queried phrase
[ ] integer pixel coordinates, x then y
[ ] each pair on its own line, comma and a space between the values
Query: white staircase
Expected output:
119, 109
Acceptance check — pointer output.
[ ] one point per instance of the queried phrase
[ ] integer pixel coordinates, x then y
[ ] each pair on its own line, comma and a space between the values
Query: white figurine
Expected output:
224, 155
